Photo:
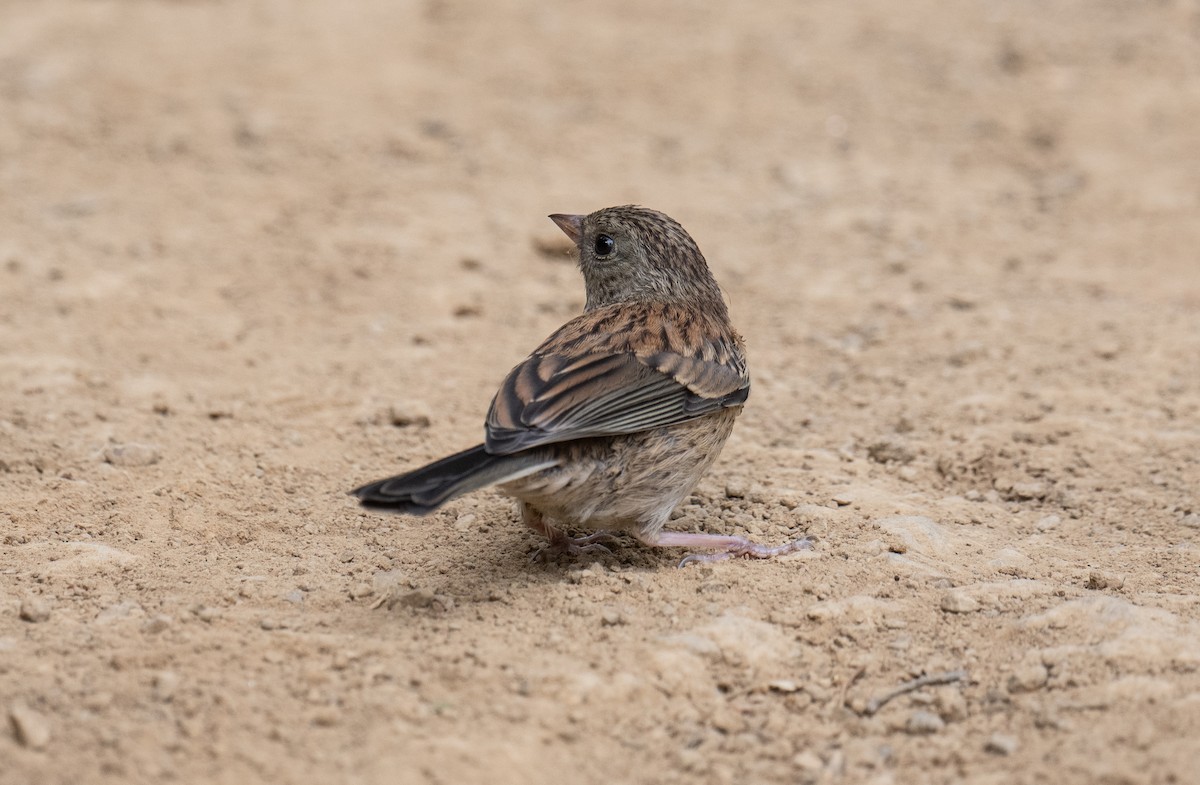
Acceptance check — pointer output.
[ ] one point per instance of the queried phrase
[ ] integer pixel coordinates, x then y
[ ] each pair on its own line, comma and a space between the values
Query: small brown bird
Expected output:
612, 421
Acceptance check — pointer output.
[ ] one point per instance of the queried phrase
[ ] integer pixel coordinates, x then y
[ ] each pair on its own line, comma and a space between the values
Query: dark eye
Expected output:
604, 245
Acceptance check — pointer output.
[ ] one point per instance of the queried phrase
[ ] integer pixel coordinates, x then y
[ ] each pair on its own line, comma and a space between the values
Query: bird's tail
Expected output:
423, 490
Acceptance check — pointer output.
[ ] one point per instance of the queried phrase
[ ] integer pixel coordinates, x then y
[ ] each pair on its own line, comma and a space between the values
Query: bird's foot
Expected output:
573, 546
722, 546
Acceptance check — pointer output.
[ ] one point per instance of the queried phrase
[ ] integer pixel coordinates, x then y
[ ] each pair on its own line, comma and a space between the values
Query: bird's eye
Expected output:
604, 245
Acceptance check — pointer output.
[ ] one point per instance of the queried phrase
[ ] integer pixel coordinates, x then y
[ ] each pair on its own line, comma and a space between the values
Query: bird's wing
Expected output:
559, 396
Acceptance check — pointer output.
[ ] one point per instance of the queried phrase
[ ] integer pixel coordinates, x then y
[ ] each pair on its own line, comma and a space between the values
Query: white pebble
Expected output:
132, 454
1001, 744
959, 602
30, 727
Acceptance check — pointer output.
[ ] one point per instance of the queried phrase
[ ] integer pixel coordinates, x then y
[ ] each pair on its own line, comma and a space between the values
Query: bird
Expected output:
609, 424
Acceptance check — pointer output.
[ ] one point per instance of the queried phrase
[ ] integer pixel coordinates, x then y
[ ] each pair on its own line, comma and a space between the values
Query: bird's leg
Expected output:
722, 546
560, 542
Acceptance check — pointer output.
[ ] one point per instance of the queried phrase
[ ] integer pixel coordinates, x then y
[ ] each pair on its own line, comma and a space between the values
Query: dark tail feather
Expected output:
423, 490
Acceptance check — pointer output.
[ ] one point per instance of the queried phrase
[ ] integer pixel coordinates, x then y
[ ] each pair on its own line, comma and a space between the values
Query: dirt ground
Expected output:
253, 254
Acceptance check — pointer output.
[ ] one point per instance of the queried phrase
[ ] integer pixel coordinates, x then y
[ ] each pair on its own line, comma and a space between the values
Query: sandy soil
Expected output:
253, 254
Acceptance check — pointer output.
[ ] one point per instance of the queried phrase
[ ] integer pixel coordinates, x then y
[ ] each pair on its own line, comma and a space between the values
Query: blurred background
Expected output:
255, 253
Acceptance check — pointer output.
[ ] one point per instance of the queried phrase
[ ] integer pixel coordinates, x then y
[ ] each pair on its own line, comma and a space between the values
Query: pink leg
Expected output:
723, 546
559, 541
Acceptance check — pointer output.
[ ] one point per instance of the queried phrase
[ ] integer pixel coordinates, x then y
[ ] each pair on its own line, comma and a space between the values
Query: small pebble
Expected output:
808, 761
1101, 580
784, 685
1001, 744
1028, 490
611, 617
361, 590
132, 454
736, 488
464, 523
844, 499
923, 723
959, 602
207, 613
35, 608
1047, 523
269, 624
1028, 678
889, 451
31, 728
405, 414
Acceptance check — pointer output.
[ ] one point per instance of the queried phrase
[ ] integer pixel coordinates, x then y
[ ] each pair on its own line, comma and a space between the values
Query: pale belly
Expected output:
626, 482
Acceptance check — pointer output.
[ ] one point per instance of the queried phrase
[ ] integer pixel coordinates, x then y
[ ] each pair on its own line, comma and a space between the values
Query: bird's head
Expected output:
632, 254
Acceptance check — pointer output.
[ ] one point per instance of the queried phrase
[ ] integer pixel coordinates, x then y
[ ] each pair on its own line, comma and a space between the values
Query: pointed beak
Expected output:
572, 225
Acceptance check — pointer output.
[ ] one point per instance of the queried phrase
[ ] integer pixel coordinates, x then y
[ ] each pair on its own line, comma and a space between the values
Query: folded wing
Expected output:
556, 397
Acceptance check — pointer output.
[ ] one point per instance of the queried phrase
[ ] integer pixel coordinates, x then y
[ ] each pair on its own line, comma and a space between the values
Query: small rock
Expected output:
783, 685
890, 451
736, 488
361, 590
1028, 490
1028, 678
922, 723
844, 499
30, 727
132, 454
295, 596
789, 498
808, 761
35, 608
1192, 520
207, 613
1047, 523
405, 414
1001, 744
959, 602
269, 624
464, 523
1101, 580
611, 617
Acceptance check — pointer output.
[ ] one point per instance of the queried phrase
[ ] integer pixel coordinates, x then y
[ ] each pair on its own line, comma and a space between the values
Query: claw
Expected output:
574, 546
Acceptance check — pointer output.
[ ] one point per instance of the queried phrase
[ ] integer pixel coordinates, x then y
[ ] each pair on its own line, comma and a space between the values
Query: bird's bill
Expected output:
572, 225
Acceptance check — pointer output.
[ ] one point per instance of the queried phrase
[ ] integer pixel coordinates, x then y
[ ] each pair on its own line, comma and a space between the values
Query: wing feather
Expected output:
550, 398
